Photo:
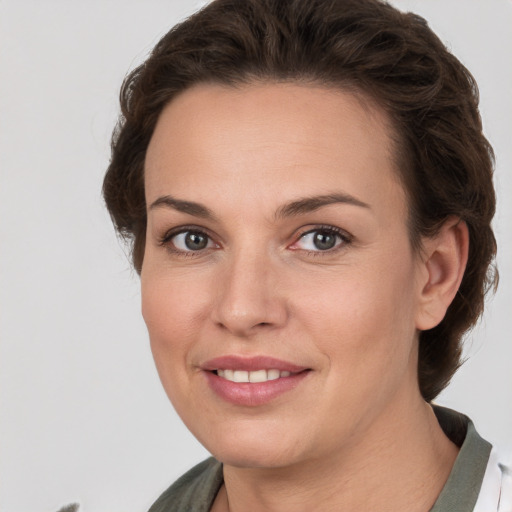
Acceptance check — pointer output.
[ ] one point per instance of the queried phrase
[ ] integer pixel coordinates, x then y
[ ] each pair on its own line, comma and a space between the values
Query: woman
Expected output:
309, 196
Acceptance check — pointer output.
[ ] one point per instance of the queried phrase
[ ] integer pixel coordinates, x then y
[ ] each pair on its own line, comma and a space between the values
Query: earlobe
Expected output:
444, 263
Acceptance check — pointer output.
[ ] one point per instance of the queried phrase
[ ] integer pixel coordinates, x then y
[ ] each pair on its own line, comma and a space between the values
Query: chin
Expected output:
249, 457
252, 446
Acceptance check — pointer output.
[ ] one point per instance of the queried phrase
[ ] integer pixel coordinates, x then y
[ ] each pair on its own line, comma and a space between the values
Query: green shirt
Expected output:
195, 491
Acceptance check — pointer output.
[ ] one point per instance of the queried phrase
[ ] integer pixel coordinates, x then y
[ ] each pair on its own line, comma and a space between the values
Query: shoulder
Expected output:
193, 491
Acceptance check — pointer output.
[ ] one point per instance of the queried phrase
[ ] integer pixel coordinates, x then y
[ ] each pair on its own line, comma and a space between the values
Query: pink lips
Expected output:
251, 364
247, 393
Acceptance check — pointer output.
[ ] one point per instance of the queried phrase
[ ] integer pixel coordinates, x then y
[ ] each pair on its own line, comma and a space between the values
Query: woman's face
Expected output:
277, 253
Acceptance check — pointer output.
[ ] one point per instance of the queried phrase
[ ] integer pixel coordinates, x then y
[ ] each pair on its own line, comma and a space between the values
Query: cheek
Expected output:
363, 320
171, 304
171, 309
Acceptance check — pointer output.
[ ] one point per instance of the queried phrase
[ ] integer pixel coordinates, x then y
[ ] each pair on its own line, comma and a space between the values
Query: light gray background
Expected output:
83, 417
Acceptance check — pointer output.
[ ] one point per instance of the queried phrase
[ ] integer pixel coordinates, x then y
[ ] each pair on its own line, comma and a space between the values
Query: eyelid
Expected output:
166, 239
346, 238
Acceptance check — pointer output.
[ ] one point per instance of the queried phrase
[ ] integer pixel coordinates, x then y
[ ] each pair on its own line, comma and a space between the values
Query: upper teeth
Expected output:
255, 376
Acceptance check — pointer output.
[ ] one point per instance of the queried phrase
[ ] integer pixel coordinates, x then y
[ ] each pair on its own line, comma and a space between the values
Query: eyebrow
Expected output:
310, 204
190, 207
294, 208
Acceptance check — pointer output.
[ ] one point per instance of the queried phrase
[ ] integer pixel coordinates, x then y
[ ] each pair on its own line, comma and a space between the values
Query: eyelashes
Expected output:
194, 241
322, 239
188, 241
191, 241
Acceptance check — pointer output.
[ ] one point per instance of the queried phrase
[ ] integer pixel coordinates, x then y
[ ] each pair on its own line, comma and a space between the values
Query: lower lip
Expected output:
253, 394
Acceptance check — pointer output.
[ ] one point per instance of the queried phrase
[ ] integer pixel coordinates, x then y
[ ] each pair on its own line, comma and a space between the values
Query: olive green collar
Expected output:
461, 490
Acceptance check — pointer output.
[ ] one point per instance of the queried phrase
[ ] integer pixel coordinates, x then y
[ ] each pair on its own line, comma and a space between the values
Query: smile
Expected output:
252, 376
252, 381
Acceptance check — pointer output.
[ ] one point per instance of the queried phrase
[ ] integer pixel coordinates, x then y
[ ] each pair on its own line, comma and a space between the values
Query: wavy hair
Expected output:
366, 46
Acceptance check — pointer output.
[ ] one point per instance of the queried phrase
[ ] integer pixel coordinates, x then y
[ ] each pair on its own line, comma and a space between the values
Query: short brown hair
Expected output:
444, 161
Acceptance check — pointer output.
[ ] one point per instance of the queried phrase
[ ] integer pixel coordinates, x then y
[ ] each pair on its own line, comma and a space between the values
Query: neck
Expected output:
400, 463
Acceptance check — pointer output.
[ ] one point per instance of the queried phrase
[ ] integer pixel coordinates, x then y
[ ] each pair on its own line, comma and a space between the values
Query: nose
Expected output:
249, 298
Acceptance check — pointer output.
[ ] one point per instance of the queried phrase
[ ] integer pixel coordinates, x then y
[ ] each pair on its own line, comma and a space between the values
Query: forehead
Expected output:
271, 139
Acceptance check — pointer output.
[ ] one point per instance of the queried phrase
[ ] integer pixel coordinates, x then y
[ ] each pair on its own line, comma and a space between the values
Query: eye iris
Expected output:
195, 241
324, 240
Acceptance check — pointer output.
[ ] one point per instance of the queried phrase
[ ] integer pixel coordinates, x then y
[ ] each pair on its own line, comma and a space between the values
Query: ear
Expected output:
443, 264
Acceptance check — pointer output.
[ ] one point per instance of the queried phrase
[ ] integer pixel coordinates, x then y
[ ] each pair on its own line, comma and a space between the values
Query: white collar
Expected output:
496, 491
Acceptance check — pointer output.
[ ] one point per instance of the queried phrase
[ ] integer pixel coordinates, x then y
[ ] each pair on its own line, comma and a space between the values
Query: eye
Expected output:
190, 240
320, 239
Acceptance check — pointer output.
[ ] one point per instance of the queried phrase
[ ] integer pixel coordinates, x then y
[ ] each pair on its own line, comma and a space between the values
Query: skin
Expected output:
355, 434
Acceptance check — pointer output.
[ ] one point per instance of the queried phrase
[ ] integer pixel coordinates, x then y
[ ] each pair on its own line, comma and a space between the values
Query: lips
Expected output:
252, 381
251, 364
